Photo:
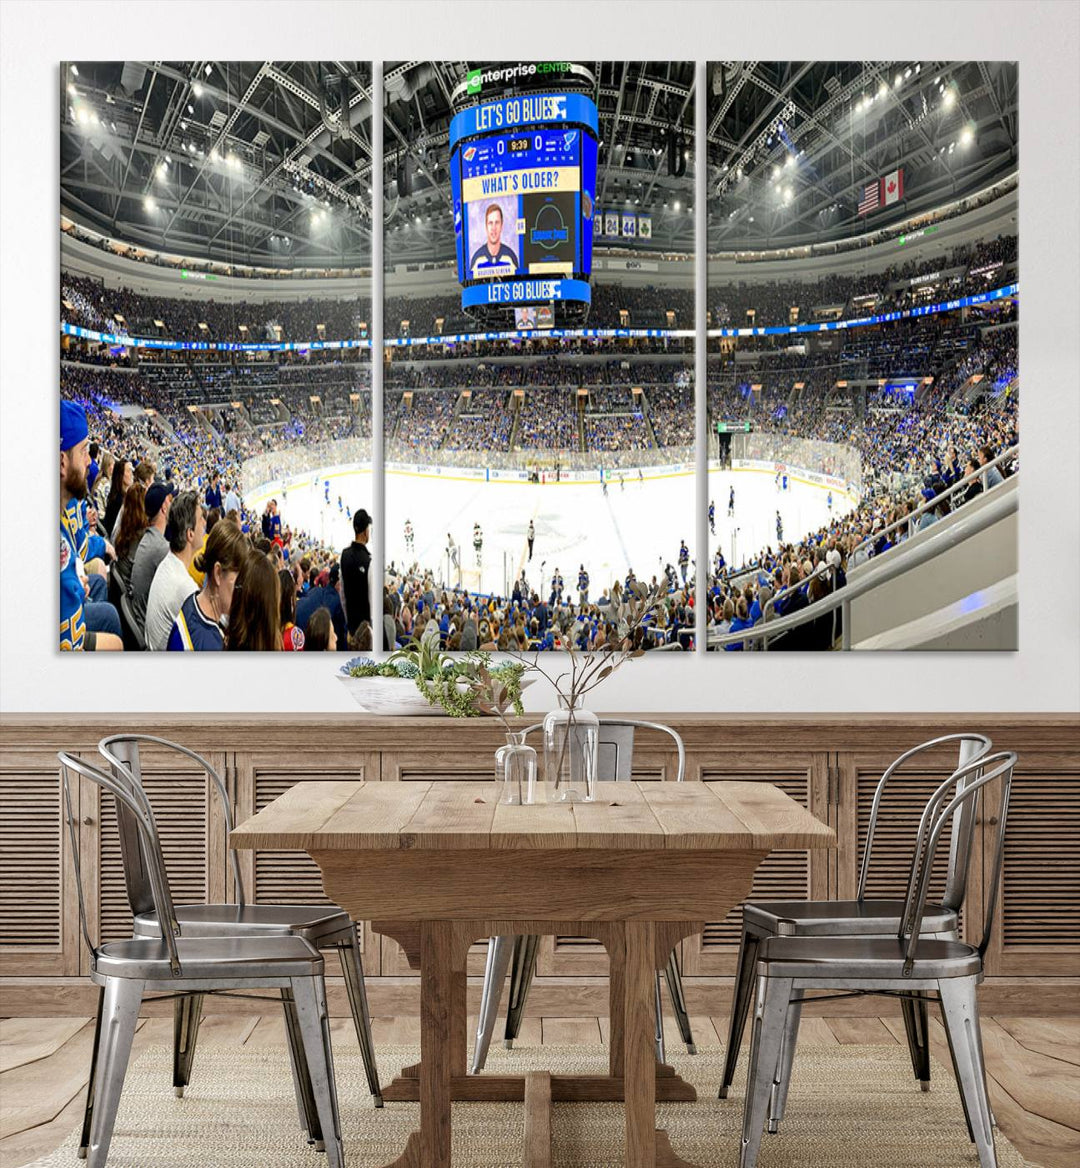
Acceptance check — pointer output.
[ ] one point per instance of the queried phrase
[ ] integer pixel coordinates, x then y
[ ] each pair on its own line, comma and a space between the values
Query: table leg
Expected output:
639, 1052
442, 1042
646, 948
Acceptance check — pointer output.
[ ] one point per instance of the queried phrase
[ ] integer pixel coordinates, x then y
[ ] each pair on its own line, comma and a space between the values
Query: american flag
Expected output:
871, 197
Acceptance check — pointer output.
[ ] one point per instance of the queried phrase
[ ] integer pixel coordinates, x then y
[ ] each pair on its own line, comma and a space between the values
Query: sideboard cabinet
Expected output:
828, 763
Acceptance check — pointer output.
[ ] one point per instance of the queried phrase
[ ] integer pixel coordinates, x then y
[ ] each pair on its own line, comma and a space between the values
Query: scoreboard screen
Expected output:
523, 179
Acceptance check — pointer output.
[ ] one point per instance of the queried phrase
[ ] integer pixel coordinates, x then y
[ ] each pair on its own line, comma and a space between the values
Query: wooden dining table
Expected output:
440, 865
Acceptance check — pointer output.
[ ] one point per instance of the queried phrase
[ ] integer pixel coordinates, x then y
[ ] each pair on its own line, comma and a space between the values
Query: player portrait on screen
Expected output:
494, 257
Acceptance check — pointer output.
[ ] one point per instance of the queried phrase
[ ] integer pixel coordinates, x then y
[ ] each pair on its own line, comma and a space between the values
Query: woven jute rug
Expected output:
849, 1107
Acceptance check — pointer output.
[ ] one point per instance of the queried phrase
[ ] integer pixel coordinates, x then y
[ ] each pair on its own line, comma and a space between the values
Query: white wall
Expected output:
1044, 675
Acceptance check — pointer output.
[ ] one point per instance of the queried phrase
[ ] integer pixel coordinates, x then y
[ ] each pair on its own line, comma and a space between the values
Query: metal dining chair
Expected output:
862, 916
169, 964
906, 964
615, 756
323, 926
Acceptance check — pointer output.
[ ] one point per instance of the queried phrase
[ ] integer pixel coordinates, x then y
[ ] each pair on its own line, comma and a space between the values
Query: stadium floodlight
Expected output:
678, 205
884, 89
790, 161
214, 156
82, 115
183, 125
168, 159
907, 72
162, 170
74, 70
197, 89
72, 90
208, 70
967, 136
190, 108
950, 97
776, 174
899, 80
149, 203
787, 194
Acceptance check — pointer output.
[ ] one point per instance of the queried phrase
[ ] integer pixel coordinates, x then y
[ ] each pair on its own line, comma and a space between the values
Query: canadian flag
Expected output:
892, 187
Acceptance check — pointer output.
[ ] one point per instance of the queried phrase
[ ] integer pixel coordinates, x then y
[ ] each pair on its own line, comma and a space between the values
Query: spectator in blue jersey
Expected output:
83, 625
493, 253
324, 596
200, 624
742, 621
213, 493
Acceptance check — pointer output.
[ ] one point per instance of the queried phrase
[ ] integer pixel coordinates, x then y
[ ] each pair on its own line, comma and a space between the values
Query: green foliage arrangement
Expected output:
461, 685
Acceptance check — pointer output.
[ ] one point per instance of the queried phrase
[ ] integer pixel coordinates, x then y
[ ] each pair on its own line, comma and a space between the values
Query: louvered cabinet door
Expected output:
787, 875
292, 877
192, 830
39, 911
1036, 931
902, 806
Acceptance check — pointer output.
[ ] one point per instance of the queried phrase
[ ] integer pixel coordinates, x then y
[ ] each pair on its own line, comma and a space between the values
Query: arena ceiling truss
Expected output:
264, 163
792, 145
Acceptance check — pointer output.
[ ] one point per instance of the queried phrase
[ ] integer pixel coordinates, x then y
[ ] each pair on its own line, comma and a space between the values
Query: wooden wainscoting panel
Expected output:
39, 916
290, 877
1037, 922
783, 875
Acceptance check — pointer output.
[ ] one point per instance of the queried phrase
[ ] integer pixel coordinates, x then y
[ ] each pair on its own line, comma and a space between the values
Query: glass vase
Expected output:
571, 738
515, 770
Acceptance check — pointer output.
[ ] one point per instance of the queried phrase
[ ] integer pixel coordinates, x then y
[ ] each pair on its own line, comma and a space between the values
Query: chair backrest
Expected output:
129, 795
121, 752
615, 747
971, 747
960, 793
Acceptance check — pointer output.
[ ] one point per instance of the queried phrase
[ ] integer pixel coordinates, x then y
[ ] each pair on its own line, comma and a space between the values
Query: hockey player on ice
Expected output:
712, 516
684, 559
477, 542
409, 537
731, 503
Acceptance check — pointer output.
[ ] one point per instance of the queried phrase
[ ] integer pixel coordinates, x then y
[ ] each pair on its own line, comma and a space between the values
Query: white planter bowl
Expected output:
395, 696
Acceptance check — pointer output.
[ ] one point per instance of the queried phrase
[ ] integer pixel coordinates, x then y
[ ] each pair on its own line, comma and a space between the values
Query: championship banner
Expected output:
611, 223
644, 226
629, 224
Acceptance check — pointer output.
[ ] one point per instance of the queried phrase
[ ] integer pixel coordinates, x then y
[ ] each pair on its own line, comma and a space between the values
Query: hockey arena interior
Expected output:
862, 384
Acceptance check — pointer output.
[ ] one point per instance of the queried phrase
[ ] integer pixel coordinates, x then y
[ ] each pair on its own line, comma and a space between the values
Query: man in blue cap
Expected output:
83, 625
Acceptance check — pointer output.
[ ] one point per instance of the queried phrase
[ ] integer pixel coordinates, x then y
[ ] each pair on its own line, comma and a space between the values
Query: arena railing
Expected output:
997, 509
860, 553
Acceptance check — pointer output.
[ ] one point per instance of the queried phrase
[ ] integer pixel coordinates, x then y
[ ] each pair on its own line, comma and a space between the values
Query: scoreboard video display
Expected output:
523, 180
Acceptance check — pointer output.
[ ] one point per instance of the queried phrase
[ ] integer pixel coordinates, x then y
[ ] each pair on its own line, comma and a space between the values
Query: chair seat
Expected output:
211, 957
874, 958
839, 918
310, 921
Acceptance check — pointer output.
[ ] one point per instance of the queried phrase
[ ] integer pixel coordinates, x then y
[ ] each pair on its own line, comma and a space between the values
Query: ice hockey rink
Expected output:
638, 524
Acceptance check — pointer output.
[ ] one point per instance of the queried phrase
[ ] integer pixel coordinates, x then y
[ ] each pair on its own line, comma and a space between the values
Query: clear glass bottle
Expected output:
571, 738
515, 770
